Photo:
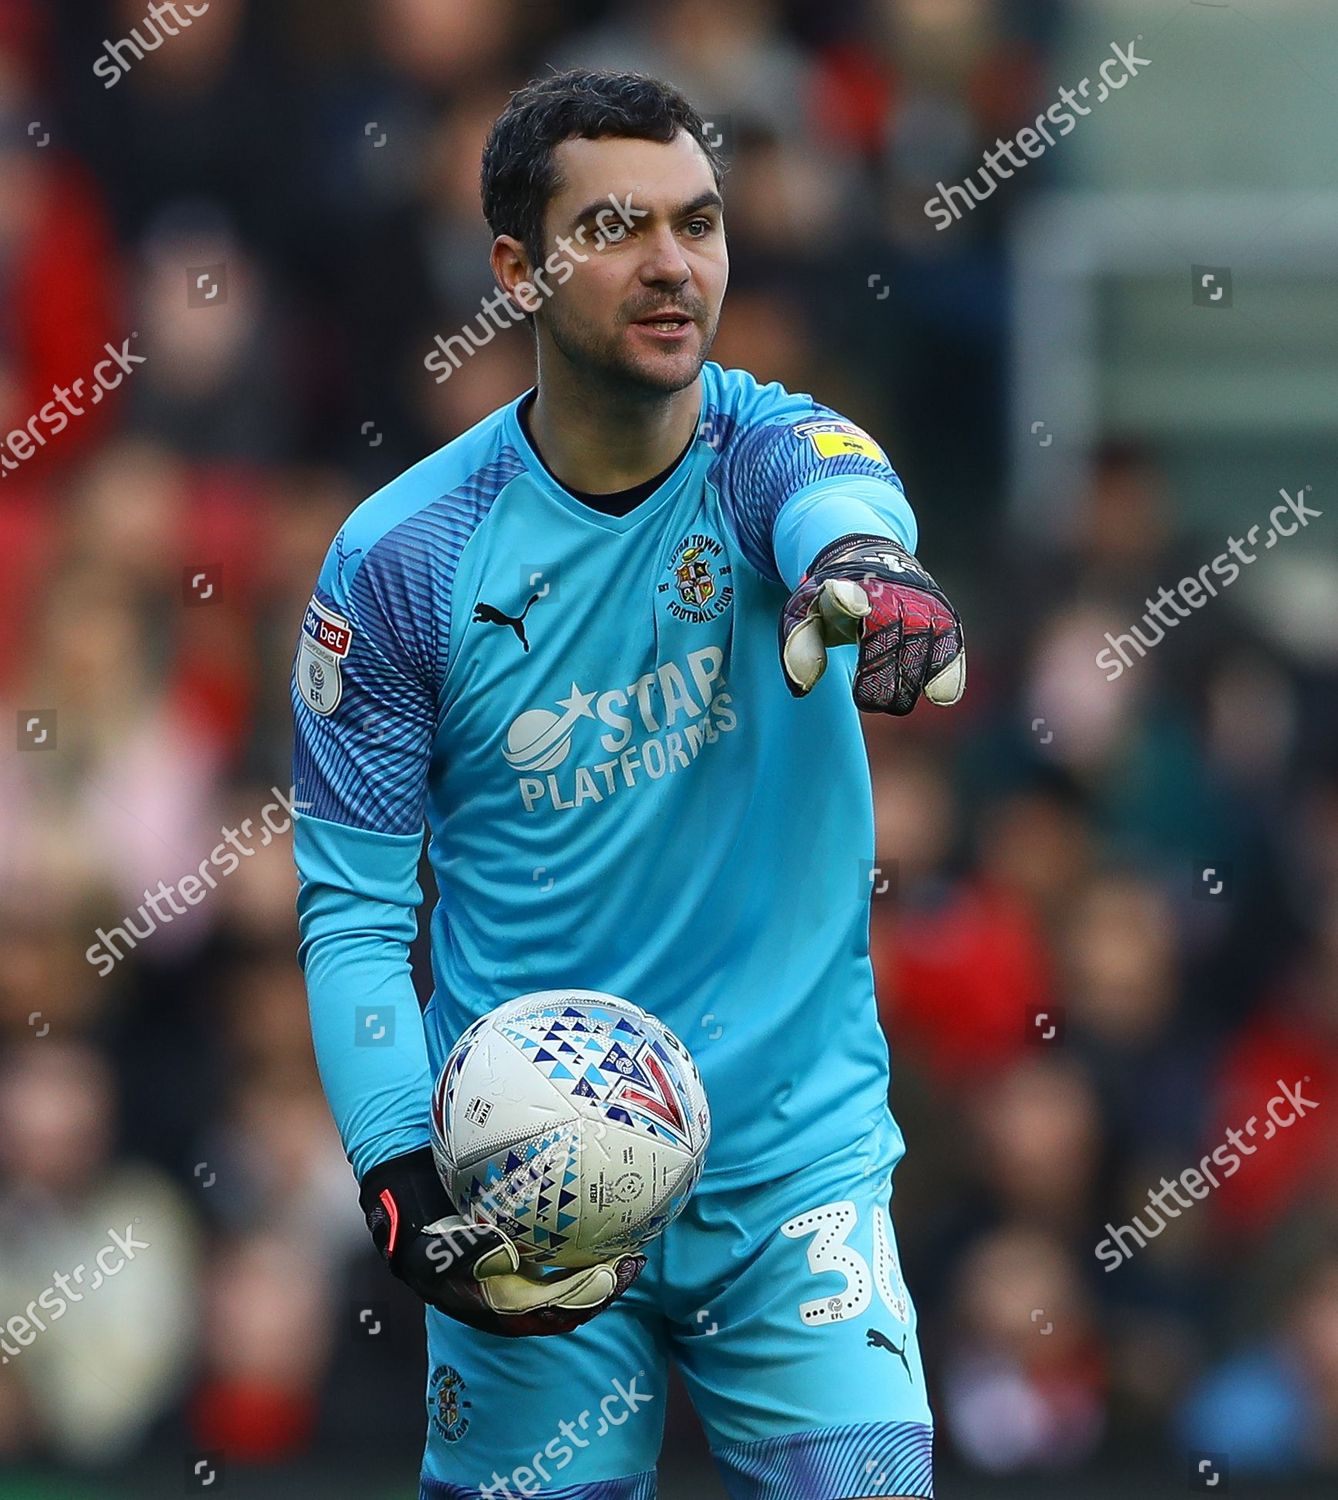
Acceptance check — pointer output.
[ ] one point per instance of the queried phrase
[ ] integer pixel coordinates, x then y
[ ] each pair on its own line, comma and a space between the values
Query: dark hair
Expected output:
519, 177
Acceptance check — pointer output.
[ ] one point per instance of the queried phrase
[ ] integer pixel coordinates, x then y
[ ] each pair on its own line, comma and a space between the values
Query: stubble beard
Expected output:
604, 359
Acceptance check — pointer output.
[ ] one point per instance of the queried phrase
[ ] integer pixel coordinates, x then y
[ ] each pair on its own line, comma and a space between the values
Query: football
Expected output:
572, 1120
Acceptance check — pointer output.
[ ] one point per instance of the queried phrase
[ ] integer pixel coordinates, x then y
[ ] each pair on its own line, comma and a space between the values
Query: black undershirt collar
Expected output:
620, 502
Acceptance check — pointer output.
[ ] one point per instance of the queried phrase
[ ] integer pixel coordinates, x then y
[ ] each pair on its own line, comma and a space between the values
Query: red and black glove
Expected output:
472, 1272
869, 589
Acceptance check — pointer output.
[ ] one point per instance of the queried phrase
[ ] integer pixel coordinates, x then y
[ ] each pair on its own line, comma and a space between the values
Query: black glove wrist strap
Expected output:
400, 1196
844, 544
860, 556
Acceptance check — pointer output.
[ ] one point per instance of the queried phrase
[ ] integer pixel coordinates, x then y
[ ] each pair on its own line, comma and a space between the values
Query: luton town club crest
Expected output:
701, 589
695, 583
449, 1405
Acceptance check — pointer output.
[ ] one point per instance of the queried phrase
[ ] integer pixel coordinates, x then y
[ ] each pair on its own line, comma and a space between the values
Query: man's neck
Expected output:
600, 444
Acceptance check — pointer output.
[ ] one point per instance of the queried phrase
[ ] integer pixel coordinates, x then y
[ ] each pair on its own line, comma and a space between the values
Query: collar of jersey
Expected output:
564, 497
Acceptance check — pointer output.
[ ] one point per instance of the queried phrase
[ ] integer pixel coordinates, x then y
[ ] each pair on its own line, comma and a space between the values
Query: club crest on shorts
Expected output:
448, 1404
699, 587
325, 641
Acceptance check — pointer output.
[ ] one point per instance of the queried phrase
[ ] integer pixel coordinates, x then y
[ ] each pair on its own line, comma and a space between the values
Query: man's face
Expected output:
661, 252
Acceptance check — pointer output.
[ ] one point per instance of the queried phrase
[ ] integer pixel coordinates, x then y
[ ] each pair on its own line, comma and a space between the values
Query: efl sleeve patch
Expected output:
837, 439
325, 642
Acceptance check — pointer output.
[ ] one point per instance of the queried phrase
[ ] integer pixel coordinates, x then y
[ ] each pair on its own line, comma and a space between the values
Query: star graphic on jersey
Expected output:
578, 703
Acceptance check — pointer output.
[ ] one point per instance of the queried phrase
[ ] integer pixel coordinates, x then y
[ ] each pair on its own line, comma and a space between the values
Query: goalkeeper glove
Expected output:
472, 1272
871, 590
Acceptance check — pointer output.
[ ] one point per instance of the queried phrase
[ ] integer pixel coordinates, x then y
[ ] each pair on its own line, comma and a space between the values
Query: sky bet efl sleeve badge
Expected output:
833, 436
326, 638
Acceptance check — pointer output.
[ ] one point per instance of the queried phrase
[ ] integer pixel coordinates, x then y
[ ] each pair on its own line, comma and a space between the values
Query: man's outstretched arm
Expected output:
820, 507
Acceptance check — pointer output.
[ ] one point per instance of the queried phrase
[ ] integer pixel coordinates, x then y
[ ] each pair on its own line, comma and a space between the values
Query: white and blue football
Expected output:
572, 1120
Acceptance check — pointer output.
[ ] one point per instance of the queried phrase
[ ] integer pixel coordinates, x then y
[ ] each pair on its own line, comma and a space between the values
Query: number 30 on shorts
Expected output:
830, 1227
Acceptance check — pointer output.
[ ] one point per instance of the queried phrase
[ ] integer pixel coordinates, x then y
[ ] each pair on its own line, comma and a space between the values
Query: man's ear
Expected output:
511, 271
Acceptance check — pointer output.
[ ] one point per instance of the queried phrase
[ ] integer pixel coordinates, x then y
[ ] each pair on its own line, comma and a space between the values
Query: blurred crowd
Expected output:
1110, 929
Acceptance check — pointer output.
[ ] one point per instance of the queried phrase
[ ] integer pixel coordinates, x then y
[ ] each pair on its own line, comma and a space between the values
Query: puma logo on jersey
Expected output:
879, 1340
489, 614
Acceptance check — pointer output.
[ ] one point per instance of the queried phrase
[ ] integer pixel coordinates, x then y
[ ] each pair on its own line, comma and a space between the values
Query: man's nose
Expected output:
664, 263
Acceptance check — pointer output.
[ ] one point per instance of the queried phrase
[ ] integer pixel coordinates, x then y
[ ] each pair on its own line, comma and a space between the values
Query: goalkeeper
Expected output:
606, 644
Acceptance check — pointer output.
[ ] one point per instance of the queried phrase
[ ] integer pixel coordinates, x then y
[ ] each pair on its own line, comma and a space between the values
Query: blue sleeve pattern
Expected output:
801, 449
364, 762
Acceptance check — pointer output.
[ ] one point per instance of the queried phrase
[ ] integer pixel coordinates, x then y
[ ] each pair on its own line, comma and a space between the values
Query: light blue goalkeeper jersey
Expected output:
589, 711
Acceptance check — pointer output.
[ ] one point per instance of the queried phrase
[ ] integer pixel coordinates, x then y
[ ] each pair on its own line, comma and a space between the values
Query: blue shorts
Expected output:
782, 1304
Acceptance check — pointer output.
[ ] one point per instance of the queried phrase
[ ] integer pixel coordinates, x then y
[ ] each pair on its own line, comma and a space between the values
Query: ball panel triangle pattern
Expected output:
574, 1121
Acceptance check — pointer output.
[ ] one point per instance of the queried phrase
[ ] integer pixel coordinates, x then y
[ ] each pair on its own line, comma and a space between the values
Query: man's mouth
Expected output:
666, 322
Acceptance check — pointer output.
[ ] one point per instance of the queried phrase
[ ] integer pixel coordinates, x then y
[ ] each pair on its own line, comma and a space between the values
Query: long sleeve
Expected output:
356, 905
364, 710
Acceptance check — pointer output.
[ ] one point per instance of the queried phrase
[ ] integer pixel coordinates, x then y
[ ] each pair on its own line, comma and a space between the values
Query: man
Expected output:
558, 636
